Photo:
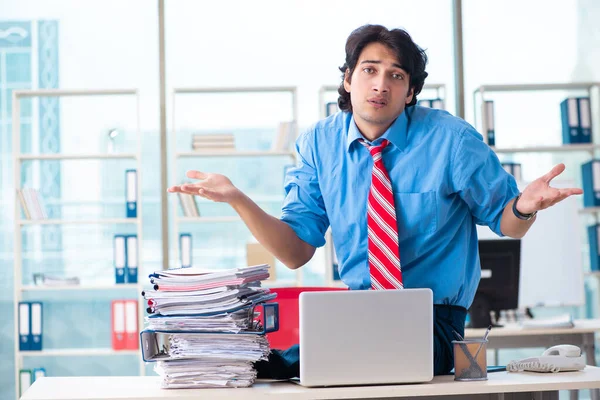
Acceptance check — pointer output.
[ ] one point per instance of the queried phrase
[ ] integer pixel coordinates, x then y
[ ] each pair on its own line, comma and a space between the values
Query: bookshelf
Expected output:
233, 156
329, 93
588, 150
20, 288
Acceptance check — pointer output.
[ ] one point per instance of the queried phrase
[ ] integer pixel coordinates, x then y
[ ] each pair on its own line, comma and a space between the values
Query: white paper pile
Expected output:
203, 328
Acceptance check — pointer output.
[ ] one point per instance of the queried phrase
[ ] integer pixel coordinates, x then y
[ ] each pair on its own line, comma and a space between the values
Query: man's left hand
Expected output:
539, 195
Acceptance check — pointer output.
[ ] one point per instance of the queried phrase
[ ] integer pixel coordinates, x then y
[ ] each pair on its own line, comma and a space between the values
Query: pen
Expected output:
485, 335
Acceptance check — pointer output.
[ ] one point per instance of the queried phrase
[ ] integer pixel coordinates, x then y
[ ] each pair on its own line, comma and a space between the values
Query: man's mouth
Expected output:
377, 102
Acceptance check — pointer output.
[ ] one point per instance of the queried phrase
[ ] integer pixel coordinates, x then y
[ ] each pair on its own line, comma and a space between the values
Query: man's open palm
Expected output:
539, 195
214, 187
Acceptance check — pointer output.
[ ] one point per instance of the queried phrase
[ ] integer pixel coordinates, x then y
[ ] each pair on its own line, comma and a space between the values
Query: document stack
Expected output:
203, 330
213, 142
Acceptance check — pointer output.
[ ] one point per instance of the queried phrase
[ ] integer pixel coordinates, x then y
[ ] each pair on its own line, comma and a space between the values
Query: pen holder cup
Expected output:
470, 360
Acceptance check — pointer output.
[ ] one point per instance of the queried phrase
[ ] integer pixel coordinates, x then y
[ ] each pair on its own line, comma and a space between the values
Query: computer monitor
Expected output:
499, 285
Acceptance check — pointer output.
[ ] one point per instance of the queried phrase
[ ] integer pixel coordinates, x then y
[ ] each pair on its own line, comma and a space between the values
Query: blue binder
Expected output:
593, 236
489, 129
132, 259
569, 115
131, 192
35, 315
585, 120
120, 254
24, 326
590, 173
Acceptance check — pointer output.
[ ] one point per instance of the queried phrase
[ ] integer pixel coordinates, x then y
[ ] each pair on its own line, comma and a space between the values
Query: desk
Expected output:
513, 336
500, 385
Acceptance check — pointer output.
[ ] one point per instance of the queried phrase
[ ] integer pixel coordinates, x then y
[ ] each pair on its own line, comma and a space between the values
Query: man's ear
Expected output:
410, 95
347, 80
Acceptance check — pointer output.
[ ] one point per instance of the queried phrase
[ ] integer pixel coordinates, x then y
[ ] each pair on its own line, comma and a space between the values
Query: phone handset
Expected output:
563, 357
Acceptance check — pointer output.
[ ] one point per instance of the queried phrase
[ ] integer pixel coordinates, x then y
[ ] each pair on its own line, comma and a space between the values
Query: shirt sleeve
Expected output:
481, 181
303, 208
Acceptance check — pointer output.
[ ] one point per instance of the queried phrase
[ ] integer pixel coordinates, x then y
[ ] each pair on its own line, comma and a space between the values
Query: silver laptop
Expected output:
360, 337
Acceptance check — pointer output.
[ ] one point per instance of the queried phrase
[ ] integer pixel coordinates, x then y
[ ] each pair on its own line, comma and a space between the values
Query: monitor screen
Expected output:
499, 285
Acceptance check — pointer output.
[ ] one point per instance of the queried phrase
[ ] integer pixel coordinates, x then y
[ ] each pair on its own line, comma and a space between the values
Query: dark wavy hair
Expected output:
412, 58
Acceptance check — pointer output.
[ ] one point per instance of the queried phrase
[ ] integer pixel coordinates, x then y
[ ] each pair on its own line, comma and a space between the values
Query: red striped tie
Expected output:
384, 254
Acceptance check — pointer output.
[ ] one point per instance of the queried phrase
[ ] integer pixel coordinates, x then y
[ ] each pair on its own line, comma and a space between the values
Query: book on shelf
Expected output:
213, 142
285, 136
32, 204
188, 205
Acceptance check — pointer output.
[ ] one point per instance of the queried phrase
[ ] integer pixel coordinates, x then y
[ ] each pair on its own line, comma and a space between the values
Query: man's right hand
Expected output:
214, 187
275, 235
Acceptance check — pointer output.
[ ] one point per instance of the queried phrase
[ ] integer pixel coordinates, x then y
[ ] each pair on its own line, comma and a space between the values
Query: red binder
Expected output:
131, 325
118, 324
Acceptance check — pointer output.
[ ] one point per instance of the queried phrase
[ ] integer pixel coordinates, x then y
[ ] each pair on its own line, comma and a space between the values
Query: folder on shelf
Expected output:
131, 325
594, 237
119, 257
24, 381
38, 373
188, 203
24, 326
185, 249
331, 108
131, 192
569, 113
35, 314
590, 173
131, 265
585, 120
489, 128
514, 169
118, 324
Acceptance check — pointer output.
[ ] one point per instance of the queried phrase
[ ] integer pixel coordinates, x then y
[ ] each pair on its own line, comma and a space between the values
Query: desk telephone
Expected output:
559, 358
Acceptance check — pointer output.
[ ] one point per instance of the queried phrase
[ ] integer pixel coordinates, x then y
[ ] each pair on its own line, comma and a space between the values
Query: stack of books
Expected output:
213, 142
204, 330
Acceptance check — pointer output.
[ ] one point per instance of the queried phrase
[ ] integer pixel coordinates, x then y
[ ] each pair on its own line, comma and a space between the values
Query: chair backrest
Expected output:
289, 315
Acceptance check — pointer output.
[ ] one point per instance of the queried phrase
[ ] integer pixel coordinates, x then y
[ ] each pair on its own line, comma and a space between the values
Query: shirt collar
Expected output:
396, 133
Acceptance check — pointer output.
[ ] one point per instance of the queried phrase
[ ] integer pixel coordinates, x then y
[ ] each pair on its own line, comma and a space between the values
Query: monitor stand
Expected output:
480, 313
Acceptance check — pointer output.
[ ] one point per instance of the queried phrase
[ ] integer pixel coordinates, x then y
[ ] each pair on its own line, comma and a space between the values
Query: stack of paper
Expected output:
203, 330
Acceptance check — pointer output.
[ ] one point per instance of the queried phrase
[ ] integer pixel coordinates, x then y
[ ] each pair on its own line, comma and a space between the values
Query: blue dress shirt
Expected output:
445, 180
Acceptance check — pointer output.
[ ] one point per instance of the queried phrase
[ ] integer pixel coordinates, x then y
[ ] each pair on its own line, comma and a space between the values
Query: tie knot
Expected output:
375, 150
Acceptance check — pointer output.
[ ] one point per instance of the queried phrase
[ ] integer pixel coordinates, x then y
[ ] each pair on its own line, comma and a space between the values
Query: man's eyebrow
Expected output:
379, 62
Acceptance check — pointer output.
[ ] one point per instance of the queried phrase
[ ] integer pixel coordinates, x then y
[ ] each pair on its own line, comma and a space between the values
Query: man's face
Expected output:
379, 88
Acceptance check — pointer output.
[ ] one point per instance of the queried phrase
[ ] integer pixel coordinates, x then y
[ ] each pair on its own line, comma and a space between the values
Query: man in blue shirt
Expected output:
444, 180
